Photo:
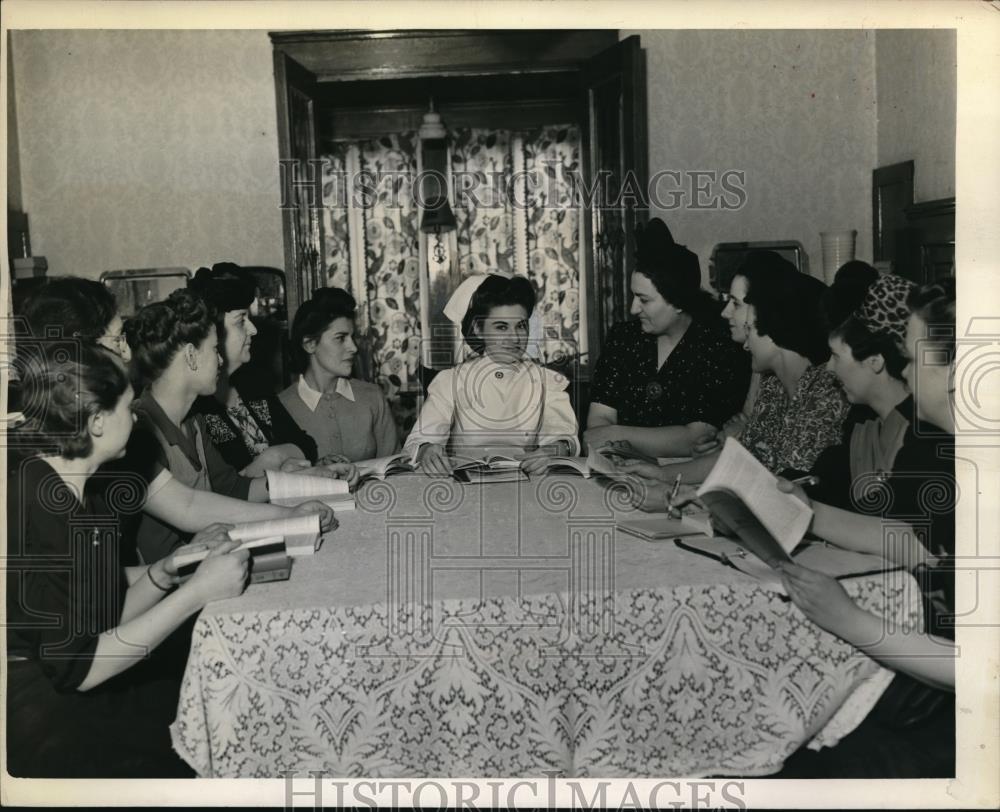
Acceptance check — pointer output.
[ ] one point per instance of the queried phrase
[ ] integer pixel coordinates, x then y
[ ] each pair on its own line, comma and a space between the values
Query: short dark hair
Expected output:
864, 344
787, 307
934, 304
314, 317
852, 288
80, 308
63, 385
495, 291
159, 330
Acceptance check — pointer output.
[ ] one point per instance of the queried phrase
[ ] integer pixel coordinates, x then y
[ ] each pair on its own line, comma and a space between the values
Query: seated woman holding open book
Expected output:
90, 691
911, 730
348, 419
671, 378
498, 398
175, 350
800, 405
253, 433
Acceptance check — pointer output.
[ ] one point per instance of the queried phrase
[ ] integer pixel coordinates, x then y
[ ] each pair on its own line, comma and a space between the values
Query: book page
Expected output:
191, 553
286, 527
379, 466
290, 489
599, 464
738, 471
578, 464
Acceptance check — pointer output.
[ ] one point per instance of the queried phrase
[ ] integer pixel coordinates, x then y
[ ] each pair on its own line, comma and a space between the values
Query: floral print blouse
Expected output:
790, 432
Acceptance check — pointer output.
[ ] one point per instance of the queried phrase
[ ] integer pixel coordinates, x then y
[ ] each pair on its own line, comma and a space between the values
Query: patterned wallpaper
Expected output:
795, 110
917, 78
148, 148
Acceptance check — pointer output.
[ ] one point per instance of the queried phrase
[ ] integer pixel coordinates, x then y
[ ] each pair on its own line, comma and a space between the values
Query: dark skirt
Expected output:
910, 733
119, 729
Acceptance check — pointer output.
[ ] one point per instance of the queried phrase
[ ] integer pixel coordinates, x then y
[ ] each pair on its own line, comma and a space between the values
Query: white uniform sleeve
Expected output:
558, 418
434, 422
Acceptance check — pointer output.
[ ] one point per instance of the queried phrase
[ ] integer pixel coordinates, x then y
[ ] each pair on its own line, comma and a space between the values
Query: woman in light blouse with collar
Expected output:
349, 419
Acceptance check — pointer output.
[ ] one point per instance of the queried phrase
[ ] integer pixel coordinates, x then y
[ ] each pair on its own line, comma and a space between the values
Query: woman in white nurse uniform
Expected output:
498, 397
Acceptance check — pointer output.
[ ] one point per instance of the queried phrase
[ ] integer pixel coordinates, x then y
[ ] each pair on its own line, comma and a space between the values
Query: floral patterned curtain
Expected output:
370, 187
513, 199
553, 235
482, 163
336, 232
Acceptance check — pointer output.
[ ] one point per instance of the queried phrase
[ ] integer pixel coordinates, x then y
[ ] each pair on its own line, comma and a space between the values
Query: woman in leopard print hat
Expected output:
866, 356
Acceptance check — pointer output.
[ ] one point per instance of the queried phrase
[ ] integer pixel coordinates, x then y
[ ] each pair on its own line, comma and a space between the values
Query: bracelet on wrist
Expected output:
152, 580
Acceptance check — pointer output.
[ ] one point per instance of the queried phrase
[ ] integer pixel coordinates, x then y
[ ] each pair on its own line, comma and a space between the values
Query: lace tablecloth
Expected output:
506, 630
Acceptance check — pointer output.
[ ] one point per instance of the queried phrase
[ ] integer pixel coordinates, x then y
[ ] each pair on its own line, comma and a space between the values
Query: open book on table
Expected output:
488, 464
743, 498
291, 489
488, 457
381, 467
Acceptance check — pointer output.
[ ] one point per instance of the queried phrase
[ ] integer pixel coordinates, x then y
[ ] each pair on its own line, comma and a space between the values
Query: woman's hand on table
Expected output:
327, 519
347, 471
223, 574
433, 460
823, 600
705, 438
283, 457
333, 459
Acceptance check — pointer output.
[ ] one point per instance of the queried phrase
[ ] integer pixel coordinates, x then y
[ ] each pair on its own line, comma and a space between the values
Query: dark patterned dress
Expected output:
242, 433
705, 378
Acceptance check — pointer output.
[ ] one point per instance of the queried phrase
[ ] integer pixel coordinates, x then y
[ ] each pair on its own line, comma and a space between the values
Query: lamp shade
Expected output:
438, 216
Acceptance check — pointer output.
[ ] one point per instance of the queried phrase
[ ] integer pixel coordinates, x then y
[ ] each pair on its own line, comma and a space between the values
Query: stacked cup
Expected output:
838, 248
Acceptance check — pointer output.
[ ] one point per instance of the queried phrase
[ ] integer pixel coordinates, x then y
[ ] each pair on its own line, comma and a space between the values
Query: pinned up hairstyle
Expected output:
79, 308
313, 319
64, 384
161, 329
787, 307
224, 287
495, 291
674, 271
847, 292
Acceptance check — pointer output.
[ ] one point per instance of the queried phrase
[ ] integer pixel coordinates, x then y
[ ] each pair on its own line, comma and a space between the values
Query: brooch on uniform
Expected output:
654, 390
